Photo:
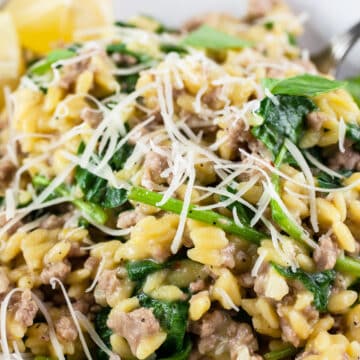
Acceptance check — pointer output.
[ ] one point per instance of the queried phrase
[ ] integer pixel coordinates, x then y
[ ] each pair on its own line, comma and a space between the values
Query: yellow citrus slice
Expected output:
92, 18
42, 24
10, 54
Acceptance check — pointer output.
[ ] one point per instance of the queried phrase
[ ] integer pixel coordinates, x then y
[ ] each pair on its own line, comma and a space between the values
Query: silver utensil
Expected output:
329, 59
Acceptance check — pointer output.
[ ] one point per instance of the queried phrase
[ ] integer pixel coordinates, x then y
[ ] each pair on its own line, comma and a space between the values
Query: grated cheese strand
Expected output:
262, 206
321, 166
97, 275
94, 336
53, 282
52, 334
3, 318
342, 135
259, 261
295, 152
226, 297
175, 245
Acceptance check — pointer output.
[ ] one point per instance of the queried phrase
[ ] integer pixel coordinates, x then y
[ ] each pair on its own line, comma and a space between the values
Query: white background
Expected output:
325, 17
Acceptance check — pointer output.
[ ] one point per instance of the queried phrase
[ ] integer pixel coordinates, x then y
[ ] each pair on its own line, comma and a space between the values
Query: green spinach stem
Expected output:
210, 217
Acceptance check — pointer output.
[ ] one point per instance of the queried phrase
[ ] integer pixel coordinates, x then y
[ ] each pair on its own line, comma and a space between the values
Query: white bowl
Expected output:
325, 18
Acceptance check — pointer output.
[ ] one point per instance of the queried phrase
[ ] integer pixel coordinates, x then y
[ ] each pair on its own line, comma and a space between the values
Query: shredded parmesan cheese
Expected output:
97, 276
321, 166
342, 134
94, 336
295, 152
3, 317
53, 282
257, 265
226, 298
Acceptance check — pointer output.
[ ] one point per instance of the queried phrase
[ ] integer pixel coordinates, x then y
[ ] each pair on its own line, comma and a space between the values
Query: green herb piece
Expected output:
182, 354
158, 27
292, 39
75, 47
210, 38
353, 133
98, 191
42, 357
302, 85
269, 25
128, 83
119, 158
283, 119
92, 210
43, 66
173, 319
103, 331
121, 48
114, 197
278, 214
2, 200
348, 265
280, 354
327, 181
83, 223
139, 270
318, 283
124, 24
164, 29
286, 224
353, 87
168, 48
244, 214
210, 217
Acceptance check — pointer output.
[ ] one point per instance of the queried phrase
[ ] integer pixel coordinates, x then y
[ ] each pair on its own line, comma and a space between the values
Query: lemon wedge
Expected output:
10, 54
46, 24
92, 19
42, 24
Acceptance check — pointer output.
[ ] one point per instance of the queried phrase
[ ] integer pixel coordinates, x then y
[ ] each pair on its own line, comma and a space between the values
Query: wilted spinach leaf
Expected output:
103, 331
243, 212
119, 158
210, 38
121, 48
269, 25
292, 39
97, 190
302, 85
327, 181
283, 119
43, 66
284, 353
353, 86
173, 319
353, 133
128, 82
91, 209
318, 283
124, 24
168, 48
182, 354
139, 270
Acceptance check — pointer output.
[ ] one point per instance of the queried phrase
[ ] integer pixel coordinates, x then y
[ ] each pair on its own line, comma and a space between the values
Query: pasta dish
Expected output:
177, 194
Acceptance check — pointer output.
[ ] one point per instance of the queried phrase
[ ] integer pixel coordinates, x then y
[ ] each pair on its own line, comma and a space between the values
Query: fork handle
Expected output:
341, 44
